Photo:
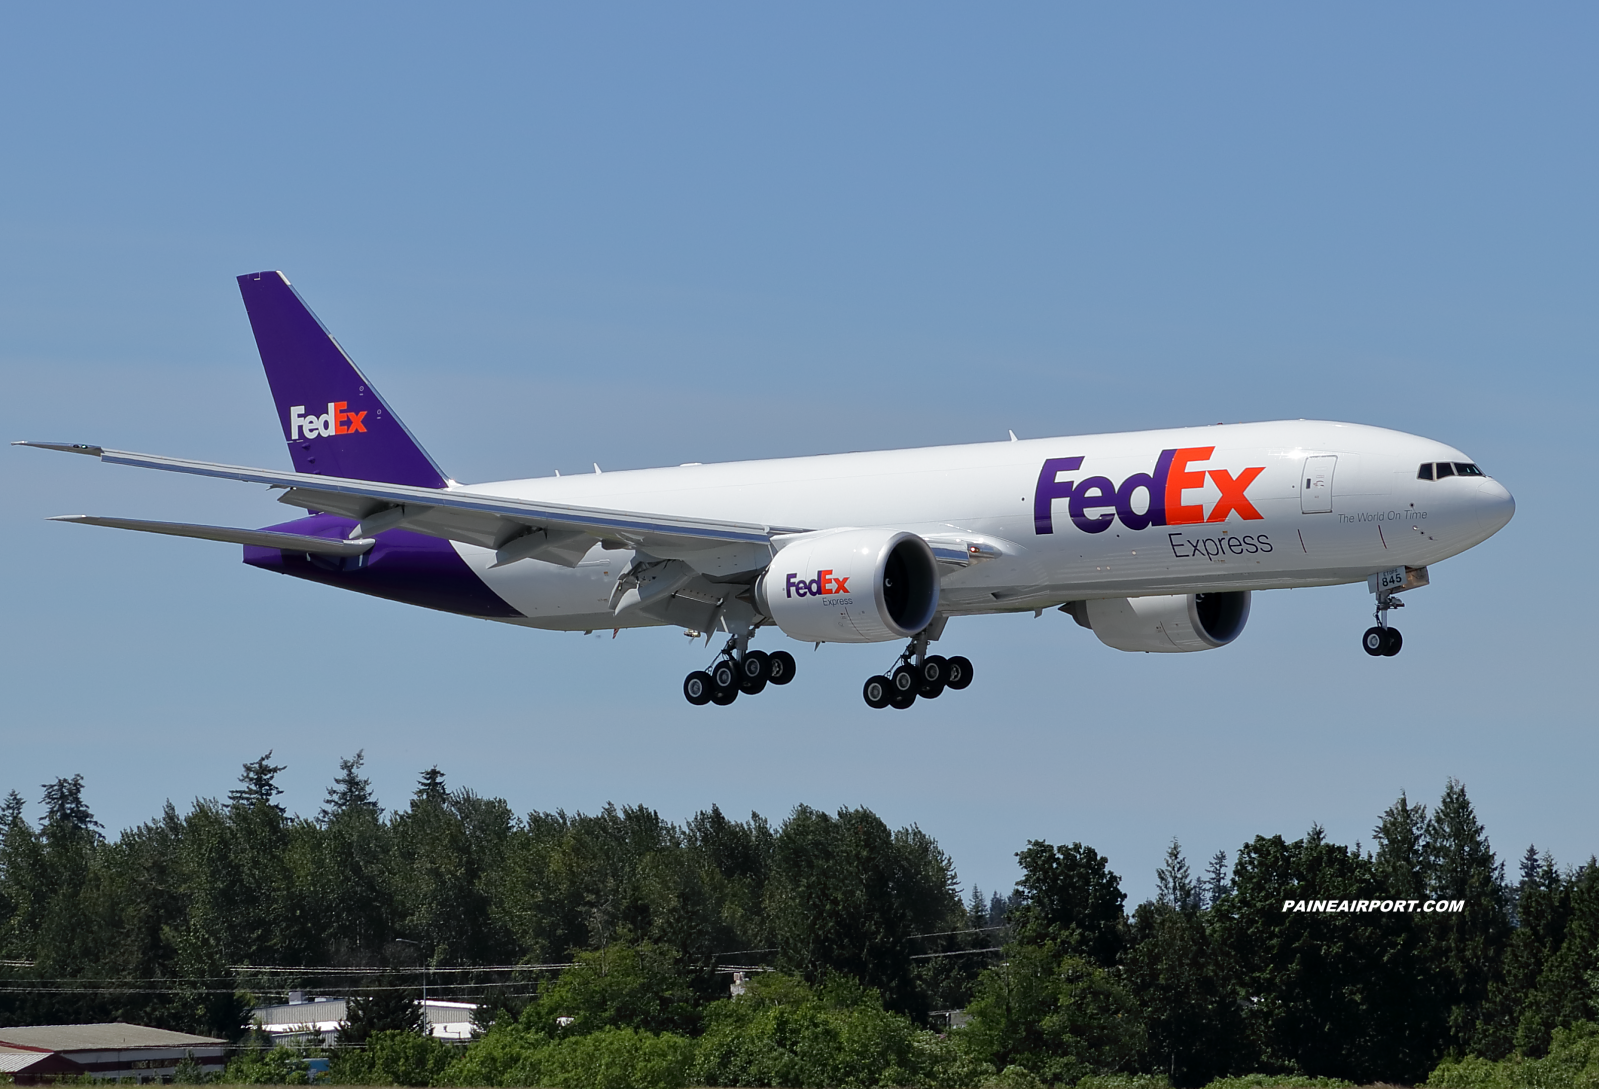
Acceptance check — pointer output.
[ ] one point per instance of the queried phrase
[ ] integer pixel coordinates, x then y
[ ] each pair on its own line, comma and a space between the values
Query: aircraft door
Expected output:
1316, 498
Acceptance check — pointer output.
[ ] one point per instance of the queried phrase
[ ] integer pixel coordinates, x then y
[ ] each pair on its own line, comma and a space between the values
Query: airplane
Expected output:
1153, 540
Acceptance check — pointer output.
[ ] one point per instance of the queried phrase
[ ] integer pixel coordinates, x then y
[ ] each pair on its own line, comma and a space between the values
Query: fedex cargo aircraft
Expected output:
1153, 540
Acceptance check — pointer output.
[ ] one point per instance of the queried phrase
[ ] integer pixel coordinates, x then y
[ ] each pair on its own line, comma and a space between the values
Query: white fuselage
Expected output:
1365, 512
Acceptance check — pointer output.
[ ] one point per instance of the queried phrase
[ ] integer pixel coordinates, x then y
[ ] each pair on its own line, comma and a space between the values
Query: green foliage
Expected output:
1572, 1062
782, 1032
1060, 1017
391, 1058
641, 986
380, 1011
264, 1066
1070, 898
1278, 1081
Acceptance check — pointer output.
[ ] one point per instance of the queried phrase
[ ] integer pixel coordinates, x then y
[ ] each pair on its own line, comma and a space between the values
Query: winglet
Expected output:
64, 447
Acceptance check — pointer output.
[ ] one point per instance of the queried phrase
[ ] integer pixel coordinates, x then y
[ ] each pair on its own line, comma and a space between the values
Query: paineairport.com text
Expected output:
1429, 907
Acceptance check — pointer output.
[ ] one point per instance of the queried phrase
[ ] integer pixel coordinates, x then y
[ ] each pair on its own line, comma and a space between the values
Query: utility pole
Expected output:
427, 1022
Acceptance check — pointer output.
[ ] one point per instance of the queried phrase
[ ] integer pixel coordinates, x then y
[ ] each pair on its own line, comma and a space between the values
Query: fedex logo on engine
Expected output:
338, 420
825, 584
1165, 488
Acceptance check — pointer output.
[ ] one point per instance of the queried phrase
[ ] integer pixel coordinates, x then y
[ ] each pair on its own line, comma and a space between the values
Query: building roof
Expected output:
102, 1037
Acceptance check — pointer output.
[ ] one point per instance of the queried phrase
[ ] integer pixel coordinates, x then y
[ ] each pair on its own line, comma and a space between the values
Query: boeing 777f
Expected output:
1154, 540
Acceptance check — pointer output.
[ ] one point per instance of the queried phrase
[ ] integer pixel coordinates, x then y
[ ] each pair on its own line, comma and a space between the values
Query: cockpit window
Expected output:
1425, 472
1466, 468
1445, 468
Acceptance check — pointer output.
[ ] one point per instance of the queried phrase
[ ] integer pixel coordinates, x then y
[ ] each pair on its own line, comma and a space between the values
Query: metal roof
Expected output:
13, 1060
103, 1037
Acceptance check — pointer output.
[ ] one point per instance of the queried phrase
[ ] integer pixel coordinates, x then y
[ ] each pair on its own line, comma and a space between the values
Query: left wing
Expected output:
515, 528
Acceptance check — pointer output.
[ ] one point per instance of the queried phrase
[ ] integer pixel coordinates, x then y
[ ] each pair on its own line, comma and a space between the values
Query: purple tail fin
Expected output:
336, 424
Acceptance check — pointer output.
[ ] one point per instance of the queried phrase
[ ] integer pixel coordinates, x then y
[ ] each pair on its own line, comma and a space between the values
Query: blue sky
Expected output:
646, 234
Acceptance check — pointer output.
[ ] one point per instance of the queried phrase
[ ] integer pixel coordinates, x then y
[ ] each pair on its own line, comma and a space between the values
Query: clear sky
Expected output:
649, 234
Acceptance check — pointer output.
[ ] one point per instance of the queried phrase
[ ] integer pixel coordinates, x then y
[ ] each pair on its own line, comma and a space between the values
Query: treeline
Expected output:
859, 931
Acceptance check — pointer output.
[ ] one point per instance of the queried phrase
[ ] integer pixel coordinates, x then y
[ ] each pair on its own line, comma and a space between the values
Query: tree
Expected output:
350, 792
1070, 897
1216, 883
1467, 946
258, 785
1060, 1017
1174, 882
65, 811
1401, 849
381, 1009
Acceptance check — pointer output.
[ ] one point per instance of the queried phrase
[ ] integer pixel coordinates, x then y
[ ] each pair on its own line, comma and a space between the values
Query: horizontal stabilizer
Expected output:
263, 538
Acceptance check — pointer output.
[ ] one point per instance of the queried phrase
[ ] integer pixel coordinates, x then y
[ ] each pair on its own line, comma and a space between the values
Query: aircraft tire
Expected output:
1374, 642
902, 700
932, 675
780, 667
697, 688
724, 696
1393, 642
877, 692
959, 672
724, 675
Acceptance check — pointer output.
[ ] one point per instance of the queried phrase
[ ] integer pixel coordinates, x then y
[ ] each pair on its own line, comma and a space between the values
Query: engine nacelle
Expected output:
851, 586
1167, 624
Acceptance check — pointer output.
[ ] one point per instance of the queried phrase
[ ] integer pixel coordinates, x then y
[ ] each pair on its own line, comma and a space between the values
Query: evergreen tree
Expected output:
65, 812
1174, 882
350, 792
430, 788
1217, 885
1402, 849
258, 785
1468, 946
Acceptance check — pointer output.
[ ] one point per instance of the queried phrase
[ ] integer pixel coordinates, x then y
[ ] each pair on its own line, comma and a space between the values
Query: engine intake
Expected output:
851, 586
1167, 624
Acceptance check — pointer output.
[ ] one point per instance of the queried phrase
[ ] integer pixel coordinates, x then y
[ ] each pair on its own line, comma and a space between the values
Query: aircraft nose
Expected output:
1495, 505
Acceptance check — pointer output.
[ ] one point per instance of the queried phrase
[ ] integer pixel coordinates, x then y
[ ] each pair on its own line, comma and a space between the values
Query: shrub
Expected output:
1278, 1081
781, 1032
1572, 1063
392, 1058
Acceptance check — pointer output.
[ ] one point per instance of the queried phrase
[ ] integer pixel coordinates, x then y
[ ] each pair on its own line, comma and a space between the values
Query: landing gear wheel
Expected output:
724, 696
724, 675
780, 667
697, 688
1375, 641
1394, 642
877, 692
959, 672
902, 700
903, 681
753, 672
931, 676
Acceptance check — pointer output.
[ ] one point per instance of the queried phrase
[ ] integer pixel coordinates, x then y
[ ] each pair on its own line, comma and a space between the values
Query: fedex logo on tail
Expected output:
338, 420
825, 584
1094, 502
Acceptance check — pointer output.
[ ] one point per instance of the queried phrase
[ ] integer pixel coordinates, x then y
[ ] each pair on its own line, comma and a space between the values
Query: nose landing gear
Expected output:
732, 672
1381, 641
917, 673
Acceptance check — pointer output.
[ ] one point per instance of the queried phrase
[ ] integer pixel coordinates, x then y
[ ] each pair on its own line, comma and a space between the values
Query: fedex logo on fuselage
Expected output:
1087, 498
825, 584
338, 420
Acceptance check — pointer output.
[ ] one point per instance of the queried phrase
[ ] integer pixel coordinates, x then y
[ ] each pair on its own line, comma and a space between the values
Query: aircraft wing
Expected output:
516, 528
265, 538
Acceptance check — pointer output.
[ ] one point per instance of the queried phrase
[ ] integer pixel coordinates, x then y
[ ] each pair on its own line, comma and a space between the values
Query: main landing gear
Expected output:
1381, 641
732, 673
917, 673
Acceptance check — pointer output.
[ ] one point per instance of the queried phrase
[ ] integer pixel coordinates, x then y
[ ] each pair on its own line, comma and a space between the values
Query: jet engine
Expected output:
1166, 624
851, 586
